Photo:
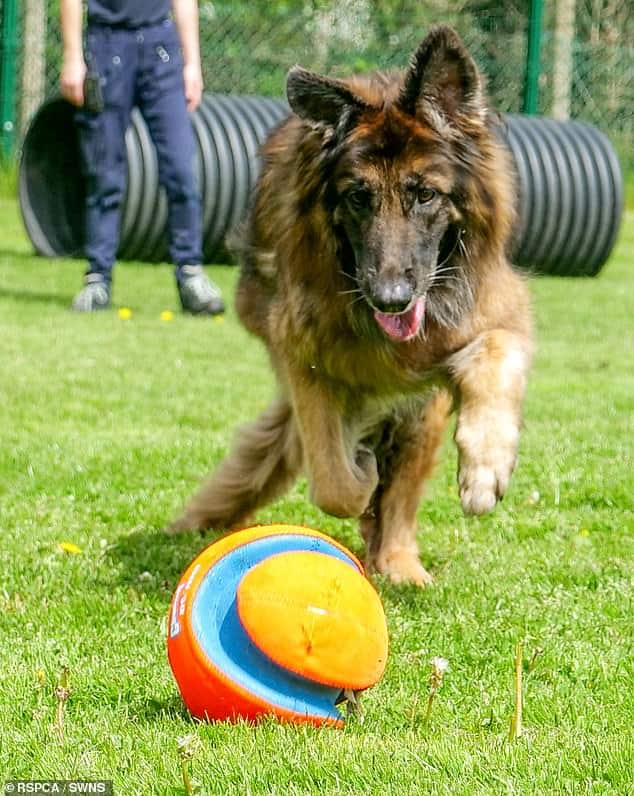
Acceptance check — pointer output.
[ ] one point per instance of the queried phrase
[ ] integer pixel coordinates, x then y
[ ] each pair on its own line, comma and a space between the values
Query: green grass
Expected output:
8, 177
628, 178
106, 426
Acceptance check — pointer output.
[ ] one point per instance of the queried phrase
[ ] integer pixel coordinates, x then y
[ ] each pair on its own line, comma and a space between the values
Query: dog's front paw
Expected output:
347, 493
402, 565
346, 500
482, 485
488, 452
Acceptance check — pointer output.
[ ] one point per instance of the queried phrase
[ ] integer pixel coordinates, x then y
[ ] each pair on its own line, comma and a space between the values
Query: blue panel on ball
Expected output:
219, 632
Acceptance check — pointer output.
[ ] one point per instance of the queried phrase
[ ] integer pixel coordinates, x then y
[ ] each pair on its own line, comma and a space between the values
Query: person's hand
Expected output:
71, 81
193, 79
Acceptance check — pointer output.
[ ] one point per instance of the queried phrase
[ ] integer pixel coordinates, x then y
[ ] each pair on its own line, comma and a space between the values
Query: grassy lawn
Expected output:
107, 425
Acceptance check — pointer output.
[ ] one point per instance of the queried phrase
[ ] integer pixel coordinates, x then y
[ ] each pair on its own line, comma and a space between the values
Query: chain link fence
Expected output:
248, 47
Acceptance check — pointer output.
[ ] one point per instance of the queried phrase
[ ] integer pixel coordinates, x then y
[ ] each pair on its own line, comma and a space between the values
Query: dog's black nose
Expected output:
392, 295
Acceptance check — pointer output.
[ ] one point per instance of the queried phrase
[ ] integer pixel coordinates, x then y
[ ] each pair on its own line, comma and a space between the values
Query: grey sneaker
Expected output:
198, 294
95, 295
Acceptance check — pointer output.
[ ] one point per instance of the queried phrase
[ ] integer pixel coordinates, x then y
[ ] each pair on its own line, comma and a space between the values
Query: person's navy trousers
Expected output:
142, 67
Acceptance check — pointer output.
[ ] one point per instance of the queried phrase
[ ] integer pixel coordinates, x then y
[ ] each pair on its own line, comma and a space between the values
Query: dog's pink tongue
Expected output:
402, 326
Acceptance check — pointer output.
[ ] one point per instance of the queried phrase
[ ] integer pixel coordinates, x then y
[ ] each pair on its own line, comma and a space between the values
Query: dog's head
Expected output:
396, 155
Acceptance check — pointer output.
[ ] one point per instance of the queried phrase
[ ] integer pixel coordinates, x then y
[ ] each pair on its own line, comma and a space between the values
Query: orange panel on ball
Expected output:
317, 616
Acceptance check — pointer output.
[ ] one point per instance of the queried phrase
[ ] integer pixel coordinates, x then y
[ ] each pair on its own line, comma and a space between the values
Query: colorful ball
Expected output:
275, 620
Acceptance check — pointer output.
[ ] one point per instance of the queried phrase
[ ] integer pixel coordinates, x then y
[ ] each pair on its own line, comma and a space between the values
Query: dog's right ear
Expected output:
319, 99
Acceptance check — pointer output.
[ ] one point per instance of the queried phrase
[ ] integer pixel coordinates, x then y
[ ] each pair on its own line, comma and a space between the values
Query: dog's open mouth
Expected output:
402, 326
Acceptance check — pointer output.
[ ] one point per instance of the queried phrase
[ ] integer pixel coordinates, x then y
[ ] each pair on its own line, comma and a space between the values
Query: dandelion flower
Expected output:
70, 547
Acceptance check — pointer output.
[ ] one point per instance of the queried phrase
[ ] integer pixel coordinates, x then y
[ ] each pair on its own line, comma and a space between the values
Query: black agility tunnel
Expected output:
569, 182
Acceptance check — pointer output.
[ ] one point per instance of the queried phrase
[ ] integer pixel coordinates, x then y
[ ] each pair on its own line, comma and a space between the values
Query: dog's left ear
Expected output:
443, 73
319, 99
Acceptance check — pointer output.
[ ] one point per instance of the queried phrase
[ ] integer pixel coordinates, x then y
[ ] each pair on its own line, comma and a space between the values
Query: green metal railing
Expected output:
533, 58
8, 52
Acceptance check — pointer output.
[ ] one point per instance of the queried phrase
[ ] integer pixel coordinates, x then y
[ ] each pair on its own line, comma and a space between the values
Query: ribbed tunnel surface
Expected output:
570, 186
570, 195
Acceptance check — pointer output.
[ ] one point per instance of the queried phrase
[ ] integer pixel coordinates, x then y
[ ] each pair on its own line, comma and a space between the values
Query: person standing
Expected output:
142, 53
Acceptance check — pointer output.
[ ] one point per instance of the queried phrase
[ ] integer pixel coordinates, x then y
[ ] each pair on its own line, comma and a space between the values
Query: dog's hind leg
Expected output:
391, 532
264, 462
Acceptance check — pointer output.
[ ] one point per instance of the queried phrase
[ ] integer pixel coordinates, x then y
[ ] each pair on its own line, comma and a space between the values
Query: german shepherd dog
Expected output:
374, 268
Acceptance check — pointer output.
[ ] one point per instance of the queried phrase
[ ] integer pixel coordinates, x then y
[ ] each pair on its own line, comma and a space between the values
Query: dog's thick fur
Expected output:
374, 268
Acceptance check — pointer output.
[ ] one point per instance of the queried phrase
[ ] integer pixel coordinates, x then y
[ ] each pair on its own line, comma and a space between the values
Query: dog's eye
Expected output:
359, 199
425, 195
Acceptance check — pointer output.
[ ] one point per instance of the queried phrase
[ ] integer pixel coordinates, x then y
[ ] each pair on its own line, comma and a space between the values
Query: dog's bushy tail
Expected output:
265, 460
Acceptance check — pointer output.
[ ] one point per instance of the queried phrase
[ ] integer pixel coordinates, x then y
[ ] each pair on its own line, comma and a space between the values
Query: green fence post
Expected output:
533, 57
8, 51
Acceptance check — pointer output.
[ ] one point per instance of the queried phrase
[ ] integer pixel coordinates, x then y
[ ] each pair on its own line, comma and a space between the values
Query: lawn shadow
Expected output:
36, 297
152, 710
31, 296
20, 254
152, 560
